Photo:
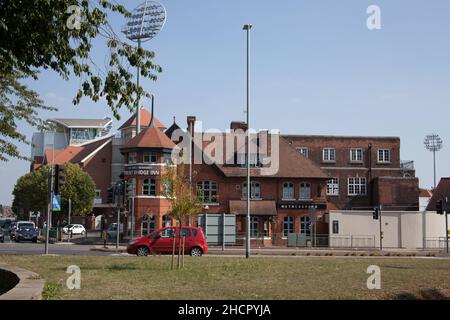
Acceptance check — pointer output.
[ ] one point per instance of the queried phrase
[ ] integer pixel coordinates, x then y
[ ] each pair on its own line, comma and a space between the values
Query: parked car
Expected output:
74, 229
162, 240
112, 230
2, 236
15, 227
26, 233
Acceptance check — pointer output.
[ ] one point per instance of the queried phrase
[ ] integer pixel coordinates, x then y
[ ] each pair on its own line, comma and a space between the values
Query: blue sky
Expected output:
316, 69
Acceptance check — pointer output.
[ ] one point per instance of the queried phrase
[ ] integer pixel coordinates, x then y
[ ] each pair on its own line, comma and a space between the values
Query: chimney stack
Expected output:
191, 124
235, 125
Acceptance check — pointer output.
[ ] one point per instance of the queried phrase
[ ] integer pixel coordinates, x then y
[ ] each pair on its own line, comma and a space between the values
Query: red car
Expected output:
161, 241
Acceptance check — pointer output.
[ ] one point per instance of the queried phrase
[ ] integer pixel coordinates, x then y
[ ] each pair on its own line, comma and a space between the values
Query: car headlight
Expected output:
132, 242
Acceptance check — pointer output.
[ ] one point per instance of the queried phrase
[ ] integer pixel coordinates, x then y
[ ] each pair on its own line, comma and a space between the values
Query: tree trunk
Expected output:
179, 249
173, 252
182, 257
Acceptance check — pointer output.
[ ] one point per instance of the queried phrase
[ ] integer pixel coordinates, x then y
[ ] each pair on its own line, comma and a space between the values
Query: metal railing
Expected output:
352, 241
435, 243
407, 164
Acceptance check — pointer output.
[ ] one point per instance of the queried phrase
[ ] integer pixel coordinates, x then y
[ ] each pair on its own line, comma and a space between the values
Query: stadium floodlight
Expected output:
434, 144
145, 23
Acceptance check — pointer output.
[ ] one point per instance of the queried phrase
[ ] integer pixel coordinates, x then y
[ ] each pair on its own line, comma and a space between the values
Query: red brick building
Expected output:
316, 174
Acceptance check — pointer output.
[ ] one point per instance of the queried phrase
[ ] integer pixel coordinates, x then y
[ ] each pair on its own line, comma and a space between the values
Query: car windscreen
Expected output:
26, 225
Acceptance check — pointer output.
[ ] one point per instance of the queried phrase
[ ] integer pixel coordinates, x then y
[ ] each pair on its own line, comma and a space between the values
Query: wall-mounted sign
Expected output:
141, 171
300, 206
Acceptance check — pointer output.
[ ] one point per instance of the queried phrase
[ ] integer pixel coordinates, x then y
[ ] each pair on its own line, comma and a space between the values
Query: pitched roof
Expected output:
83, 123
172, 129
144, 120
150, 137
76, 154
292, 164
425, 194
442, 191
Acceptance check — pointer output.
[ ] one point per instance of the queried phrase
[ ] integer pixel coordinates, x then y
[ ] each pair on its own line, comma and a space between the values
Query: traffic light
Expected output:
59, 179
440, 206
130, 189
110, 195
376, 213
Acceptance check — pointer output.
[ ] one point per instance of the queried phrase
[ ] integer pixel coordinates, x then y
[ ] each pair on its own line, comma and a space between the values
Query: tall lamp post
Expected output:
248, 27
145, 23
433, 143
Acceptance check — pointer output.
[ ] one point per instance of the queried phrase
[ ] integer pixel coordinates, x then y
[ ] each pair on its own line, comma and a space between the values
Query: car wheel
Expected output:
34, 240
142, 251
196, 252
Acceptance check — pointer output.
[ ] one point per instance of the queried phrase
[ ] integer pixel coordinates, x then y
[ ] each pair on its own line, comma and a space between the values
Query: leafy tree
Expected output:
58, 35
31, 190
79, 188
184, 201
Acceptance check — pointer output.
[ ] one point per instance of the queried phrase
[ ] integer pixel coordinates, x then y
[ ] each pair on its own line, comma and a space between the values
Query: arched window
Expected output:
208, 191
148, 224
149, 187
305, 191
288, 190
255, 190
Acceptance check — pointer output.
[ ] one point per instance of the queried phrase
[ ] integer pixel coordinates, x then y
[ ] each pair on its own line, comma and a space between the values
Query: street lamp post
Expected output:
433, 143
248, 27
145, 23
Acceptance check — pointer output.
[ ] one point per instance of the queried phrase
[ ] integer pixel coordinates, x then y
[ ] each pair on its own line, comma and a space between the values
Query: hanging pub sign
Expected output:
141, 171
300, 206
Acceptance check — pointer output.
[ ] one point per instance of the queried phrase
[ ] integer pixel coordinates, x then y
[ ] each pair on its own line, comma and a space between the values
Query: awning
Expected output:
257, 207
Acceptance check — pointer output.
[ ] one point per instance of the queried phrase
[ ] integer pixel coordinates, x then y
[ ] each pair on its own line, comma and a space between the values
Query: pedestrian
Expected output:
104, 237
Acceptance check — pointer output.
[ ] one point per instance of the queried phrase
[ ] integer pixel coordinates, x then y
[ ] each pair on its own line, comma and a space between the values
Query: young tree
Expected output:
58, 35
184, 201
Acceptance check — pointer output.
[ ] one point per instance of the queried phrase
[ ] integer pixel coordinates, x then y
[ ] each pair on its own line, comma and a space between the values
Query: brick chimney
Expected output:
238, 125
191, 124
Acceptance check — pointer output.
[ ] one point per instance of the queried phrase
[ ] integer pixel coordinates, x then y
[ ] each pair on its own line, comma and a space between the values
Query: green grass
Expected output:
238, 278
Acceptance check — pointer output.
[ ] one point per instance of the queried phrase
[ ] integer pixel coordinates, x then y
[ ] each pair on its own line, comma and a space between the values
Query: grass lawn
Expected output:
238, 278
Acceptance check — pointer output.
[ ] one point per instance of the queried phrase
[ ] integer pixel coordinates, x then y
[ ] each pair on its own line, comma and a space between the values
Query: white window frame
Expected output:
209, 191
254, 227
356, 186
288, 191
305, 225
254, 160
383, 158
329, 154
356, 155
304, 151
301, 197
333, 186
151, 184
254, 185
288, 225
150, 155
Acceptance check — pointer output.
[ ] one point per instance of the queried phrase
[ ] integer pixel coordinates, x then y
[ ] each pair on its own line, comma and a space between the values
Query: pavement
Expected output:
97, 249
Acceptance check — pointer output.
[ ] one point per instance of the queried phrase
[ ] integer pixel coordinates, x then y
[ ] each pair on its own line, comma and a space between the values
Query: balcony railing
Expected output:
407, 164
